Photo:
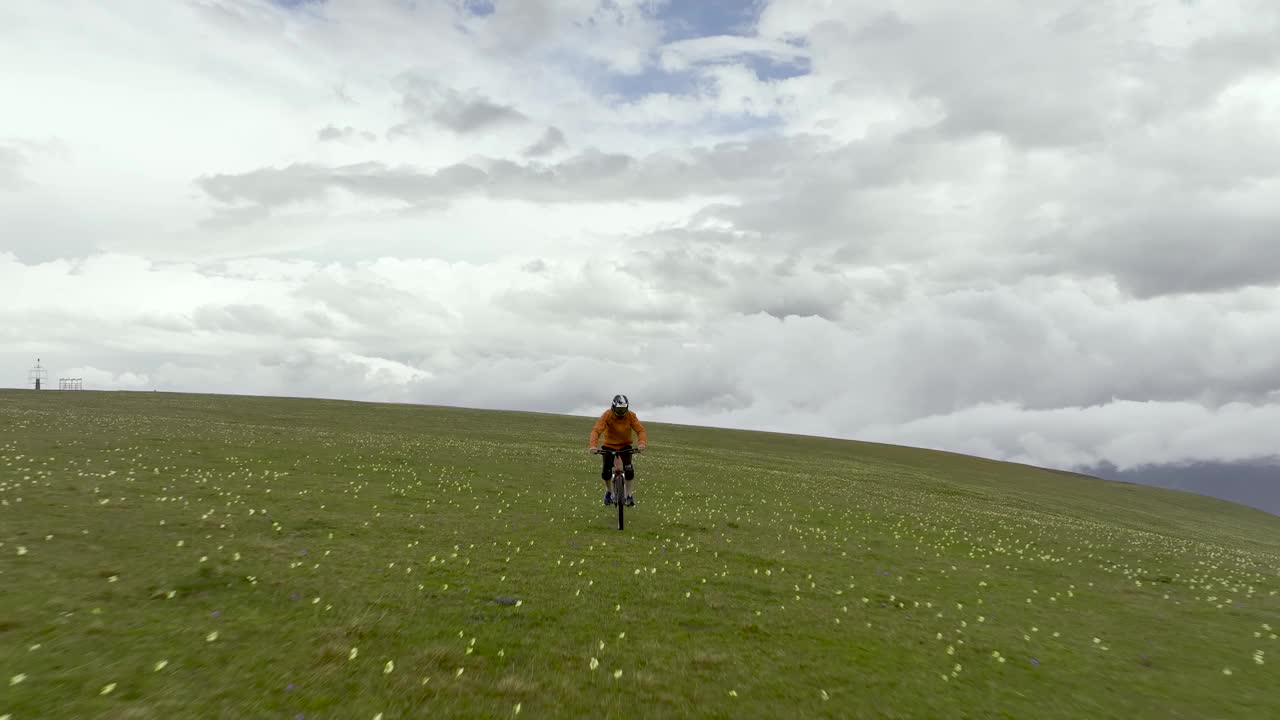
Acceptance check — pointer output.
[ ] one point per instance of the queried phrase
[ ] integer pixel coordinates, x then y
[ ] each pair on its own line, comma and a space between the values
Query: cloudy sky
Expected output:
1047, 233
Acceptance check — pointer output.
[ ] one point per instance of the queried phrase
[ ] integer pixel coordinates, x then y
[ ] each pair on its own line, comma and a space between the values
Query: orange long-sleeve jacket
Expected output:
617, 430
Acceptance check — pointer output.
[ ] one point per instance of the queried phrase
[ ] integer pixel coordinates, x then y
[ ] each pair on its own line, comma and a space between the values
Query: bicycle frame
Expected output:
618, 479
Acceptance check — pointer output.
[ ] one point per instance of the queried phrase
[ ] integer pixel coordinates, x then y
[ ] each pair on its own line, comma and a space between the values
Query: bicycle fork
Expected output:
618, 474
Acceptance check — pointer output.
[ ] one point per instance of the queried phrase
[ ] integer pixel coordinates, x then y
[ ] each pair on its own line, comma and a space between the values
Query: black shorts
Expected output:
606, 463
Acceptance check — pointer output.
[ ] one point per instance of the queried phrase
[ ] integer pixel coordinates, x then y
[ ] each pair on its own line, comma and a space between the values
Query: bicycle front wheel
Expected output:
619, 497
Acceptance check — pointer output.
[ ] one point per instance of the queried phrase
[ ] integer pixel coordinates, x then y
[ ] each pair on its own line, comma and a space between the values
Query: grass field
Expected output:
189, 556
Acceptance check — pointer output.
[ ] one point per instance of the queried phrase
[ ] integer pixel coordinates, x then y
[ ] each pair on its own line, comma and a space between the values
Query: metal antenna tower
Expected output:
37, 374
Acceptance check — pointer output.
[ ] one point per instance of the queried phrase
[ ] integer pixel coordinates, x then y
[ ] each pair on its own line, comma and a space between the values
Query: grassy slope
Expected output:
760, 575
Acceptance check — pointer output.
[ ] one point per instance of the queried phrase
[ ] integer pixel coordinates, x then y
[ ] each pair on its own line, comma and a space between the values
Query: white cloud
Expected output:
685, 54
1020, 231
1126, 434
1049, 371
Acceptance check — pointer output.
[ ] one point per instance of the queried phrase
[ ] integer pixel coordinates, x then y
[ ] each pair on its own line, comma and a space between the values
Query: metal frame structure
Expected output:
37, 375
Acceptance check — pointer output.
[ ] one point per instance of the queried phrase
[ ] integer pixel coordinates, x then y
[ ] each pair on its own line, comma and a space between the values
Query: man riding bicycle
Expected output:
616, 425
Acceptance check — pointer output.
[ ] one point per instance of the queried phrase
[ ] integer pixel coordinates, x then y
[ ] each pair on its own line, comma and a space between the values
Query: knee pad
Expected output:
629, 472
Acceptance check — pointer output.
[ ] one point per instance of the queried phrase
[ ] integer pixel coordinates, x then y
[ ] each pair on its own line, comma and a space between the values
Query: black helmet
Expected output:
620, 405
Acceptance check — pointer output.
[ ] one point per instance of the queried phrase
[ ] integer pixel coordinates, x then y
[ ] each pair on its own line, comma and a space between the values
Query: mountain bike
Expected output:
619, 479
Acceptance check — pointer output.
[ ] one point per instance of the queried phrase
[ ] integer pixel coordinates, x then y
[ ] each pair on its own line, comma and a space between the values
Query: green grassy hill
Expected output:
191, 556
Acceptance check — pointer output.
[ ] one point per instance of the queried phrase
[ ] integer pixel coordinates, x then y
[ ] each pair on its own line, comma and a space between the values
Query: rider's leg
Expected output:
629, 472
606, 471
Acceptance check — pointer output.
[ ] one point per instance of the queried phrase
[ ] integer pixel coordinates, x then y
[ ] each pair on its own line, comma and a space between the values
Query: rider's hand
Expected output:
592, 450
642, 447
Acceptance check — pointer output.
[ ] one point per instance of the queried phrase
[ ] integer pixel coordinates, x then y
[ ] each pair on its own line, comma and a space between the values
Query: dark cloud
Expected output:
565, 182
330, 133
589, 176
469, 115
1183, 248
269, 187
553, 139
426, 103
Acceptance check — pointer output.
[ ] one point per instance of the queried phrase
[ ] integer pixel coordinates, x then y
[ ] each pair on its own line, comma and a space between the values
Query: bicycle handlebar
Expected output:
602, 451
